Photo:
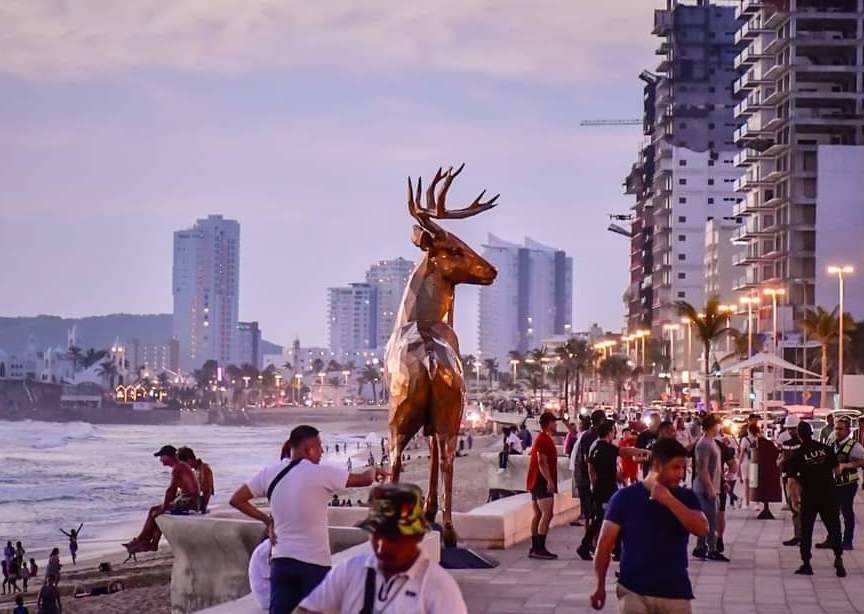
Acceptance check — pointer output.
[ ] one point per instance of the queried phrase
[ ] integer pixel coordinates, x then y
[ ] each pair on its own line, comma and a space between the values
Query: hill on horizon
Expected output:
98, 332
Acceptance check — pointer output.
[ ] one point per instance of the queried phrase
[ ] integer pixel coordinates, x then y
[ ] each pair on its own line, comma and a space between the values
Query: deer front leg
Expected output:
397, 446
431, 508
448, 458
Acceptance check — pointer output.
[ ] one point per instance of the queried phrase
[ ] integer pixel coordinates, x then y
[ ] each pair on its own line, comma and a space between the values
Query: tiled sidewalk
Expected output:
759, 580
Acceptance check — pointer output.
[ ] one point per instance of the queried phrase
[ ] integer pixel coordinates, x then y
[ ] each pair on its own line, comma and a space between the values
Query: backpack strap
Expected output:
281, 475
369, 592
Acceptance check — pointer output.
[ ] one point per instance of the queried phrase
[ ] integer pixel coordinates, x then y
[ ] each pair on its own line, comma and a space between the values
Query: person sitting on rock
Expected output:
181, 497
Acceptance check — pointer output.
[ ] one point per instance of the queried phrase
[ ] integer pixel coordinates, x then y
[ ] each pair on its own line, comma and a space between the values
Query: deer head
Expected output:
447, 254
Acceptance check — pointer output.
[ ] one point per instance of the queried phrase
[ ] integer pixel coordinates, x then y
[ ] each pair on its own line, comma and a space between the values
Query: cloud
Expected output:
556, 41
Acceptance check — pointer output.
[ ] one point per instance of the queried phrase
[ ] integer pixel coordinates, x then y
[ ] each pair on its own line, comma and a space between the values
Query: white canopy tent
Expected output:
764, 360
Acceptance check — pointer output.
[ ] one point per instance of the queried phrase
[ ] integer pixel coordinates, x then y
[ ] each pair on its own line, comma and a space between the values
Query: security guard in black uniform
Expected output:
813, 465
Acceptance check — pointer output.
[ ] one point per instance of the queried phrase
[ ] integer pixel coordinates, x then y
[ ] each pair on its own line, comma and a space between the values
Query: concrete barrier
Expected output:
246, 605
515, 476
211, 556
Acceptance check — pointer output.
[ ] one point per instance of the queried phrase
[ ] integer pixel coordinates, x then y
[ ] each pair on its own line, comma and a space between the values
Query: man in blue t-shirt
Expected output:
654, 520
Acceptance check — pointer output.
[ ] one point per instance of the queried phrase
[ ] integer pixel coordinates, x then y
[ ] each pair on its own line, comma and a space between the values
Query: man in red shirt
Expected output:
543, 484
629, 468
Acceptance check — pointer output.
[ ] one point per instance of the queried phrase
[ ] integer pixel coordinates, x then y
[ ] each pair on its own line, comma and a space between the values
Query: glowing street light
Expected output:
840, 272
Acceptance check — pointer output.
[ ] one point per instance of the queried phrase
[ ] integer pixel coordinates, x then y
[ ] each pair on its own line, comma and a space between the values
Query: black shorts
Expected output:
541, 489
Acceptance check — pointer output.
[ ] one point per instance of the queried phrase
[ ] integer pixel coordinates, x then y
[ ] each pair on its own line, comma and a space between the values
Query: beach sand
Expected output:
146, 585
147, 582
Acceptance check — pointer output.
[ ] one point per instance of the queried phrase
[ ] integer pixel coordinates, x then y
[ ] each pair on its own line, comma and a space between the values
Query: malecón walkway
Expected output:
759, 580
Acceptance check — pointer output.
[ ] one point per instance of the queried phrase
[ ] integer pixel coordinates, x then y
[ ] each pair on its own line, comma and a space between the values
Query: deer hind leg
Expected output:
447, 444
397, 445
431, 507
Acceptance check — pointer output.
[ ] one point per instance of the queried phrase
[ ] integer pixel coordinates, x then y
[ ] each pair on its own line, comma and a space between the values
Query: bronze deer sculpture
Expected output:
422, 364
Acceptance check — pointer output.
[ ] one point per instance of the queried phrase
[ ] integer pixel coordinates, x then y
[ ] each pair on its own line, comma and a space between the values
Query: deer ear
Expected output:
421, 238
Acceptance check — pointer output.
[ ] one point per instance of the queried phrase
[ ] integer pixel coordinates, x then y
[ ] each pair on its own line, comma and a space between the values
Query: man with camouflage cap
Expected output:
397, 577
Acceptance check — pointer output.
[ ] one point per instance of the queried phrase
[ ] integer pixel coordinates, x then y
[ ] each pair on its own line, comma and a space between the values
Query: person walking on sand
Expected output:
299, 490
48, 601
73, 535
34, 568
653, 519
8, 552
203, 472
53, 567
5, 566
181, 497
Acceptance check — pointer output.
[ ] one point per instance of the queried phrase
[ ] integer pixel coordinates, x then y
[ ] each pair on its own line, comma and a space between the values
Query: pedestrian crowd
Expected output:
19, 572
645, 489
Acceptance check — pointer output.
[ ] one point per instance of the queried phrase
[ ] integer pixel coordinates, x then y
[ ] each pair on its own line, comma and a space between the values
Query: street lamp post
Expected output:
840, 271
750, 301
774, 293
671, 328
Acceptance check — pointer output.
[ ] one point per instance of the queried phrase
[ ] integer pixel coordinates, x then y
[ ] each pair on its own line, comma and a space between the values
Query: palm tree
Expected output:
107, 370
371, 375
92, 357
823, 326
516, 361
576, 356
709, 325
317, 366
617, 370
491, 369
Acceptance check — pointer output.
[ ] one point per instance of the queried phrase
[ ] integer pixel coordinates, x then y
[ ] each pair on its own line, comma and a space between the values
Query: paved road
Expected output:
759, 580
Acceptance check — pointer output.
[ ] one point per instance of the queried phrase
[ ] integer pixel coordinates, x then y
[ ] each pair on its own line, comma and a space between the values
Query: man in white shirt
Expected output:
397, 578
299, 489
514, 442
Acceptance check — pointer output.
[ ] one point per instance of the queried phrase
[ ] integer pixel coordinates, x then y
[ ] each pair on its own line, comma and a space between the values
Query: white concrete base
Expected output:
246, 605
515, 476
211, 557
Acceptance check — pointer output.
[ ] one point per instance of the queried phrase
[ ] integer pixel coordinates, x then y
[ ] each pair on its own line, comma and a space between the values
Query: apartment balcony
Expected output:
824, 38
774, 44
746, 157
757, 175
746, 9
774, 19
753, 134
825, 117
753, 77
772, 95
663, 22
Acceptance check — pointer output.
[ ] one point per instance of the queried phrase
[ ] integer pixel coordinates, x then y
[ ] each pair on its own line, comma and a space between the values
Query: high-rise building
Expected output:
206, 291
531, 299
389, 278
352, 317
802, 106
249, 344
720, 251
685, 175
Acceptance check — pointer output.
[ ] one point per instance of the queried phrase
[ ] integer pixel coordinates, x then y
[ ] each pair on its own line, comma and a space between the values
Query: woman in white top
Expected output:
745, 455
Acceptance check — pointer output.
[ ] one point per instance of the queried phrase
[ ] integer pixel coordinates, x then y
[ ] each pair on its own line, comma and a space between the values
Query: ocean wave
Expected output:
46, 435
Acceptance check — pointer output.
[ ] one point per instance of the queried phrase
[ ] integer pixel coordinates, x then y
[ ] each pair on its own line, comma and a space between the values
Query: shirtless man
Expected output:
180, 496
204, 474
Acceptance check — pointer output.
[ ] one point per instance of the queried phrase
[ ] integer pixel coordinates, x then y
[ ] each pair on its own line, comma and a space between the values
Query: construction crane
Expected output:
610, 122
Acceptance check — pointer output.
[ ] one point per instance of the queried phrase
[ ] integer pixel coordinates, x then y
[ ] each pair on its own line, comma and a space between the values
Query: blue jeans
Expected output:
709, 508
291, 581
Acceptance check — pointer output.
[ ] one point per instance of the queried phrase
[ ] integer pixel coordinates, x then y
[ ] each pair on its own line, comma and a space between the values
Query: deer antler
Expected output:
436, 206
419, 213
